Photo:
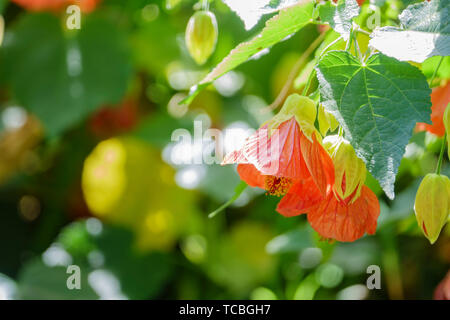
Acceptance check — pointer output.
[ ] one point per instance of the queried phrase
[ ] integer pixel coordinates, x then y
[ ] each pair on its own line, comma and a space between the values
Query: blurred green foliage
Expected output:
155, 241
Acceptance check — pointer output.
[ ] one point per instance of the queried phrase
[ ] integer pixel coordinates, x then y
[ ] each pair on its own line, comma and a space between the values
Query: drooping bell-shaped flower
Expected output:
336, 219
432, 205
349, 170
332, 217
348, 212
285, 150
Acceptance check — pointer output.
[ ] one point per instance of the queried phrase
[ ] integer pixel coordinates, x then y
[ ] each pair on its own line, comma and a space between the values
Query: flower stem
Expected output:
205, 5
435, 71
328, 46
441, 155
293, 74
363, 31
308, 83
349, 41
357, 50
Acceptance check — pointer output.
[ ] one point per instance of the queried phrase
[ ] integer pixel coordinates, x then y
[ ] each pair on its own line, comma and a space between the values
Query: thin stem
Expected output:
308, 83
349, 41
441, 155
205, 5
357, 50
314, 8
367, 53
436, 70
293, 74
329, 46
237, 192
363, 31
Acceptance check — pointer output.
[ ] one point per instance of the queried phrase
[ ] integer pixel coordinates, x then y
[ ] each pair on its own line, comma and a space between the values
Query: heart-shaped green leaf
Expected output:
377, 103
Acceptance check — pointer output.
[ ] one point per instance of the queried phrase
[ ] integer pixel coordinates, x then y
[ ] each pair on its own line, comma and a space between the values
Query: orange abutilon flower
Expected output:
333, 217
54, 5
440, 98
349, 211
324, 180
285, 151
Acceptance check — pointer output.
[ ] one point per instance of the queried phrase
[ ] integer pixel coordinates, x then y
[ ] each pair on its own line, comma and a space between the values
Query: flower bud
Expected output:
300, 107
447, 127
327, 122
349, 170
201, 36
432, 205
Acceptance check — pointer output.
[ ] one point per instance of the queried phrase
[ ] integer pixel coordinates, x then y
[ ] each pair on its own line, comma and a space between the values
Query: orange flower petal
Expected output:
278, 155
440, 97
234, 157
319, 163
302, 196
346, 222
250, 175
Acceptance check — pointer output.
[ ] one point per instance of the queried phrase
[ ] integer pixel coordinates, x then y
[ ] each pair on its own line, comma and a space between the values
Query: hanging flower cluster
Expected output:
323, 179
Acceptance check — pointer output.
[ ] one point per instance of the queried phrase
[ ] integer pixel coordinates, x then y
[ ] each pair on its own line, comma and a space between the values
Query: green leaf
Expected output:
251, 11
339, 15
287, 22
61, 76
377, 104
424, 33
237, 192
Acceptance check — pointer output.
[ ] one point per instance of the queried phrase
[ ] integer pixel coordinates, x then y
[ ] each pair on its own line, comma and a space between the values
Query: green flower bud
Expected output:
327, 122
349, 170
300, 107
432, 205
201, 36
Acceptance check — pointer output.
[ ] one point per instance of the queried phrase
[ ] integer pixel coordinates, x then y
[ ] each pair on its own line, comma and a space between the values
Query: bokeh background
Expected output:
89, 174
